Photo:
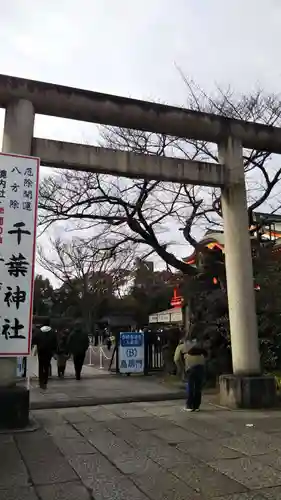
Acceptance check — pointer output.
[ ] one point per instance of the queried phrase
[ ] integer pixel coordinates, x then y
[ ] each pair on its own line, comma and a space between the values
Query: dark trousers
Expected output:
24, 367
195, 377
78, 360
61, 364
44, 361
61, 370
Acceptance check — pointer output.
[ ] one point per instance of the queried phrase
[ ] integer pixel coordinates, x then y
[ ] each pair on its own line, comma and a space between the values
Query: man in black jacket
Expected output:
45, 341
77, 345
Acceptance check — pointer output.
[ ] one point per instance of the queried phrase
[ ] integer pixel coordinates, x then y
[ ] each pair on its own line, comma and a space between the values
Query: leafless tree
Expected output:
142, 213
85, 267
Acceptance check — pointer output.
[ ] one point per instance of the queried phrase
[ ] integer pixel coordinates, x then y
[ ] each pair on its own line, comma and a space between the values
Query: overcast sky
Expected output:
130, 47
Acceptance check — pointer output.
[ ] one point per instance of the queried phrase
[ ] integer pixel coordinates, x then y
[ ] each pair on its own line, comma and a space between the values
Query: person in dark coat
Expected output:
77, 345
62, 351
45, 340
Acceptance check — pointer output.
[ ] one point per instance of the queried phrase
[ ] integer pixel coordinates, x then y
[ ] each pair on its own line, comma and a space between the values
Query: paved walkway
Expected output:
100, 389
96, 387
144, 451
88, 371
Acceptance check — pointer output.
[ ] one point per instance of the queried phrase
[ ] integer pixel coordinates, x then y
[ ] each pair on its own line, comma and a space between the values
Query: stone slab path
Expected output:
100, 389
96, 387
144, 451
88, 371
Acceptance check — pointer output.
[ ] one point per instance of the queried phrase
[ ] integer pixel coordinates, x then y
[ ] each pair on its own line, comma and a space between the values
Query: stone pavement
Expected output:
88, 371
96, 387
144, 451
100, 389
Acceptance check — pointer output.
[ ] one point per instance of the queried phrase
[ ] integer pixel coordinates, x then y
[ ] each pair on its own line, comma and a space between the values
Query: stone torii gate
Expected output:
23, 98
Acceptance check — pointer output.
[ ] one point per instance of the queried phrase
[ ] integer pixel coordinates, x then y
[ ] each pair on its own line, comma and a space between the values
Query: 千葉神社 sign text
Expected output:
19, 177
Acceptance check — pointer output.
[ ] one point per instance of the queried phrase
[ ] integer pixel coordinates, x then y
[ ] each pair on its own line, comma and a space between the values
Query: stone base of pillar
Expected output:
247, 392
14, 407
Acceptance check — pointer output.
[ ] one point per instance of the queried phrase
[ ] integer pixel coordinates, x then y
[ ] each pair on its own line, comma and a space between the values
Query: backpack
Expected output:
45, 339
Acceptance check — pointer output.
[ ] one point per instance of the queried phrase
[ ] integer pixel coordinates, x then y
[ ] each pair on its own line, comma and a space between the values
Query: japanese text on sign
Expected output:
131, 352
131, 339
18, 210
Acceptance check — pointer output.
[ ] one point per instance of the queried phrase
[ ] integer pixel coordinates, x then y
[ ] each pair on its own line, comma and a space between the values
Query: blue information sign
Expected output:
131, 352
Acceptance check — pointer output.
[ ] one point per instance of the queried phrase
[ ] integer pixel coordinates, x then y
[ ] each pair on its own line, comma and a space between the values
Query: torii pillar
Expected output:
246, 387
14, 399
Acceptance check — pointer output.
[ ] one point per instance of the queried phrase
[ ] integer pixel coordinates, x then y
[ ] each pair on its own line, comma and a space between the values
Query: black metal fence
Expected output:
153, 353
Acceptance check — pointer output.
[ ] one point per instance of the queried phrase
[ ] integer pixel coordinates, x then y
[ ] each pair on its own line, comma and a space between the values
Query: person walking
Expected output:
62, 351
107, 339
194, 357
44, 339
77, 345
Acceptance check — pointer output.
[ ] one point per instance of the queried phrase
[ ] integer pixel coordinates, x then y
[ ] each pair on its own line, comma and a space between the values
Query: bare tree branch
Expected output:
143, 213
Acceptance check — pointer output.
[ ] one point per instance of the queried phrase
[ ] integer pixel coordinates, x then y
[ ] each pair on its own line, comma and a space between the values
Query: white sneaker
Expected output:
187, 409
197, 409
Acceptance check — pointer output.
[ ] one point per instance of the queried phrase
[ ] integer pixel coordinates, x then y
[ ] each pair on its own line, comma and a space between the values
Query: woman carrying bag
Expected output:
193, 357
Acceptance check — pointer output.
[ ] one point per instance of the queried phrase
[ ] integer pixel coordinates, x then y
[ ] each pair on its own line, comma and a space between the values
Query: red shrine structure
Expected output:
177, 299
265, 230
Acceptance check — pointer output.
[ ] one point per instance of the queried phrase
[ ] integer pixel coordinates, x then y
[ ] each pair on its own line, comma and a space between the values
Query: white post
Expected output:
101, 360
238, 258
17, 138
27, 373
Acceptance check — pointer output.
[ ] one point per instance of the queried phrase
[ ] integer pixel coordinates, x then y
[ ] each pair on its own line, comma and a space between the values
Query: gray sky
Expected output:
130, 48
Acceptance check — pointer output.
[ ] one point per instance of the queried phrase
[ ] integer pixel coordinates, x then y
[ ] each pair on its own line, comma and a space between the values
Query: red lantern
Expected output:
177, 300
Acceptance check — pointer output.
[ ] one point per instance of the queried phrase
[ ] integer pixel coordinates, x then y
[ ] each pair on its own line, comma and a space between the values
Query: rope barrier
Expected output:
91, 348
102, 355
